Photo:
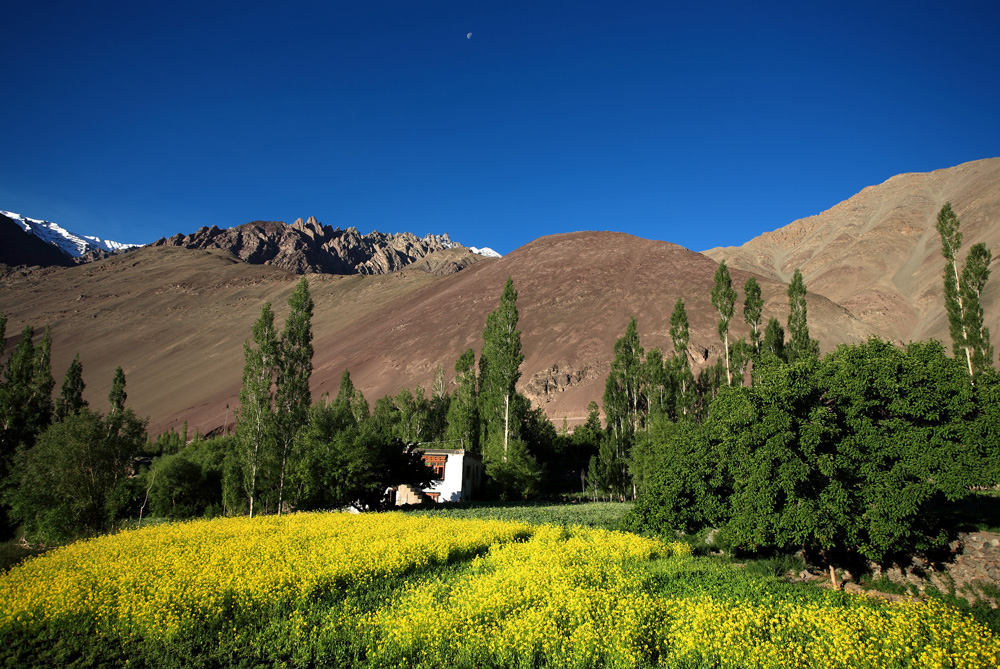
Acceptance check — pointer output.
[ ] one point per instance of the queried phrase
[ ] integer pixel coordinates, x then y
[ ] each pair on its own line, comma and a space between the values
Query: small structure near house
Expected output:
458, 473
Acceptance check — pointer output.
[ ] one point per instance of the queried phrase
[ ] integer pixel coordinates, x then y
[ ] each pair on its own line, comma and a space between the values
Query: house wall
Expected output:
450, 489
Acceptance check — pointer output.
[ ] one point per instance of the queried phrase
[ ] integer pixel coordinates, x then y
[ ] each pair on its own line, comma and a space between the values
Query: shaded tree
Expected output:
71, 395
622, 400
774, 340
68, 484
463, 413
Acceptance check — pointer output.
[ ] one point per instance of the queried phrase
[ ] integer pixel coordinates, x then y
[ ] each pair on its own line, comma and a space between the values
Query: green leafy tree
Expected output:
657, 383
345, 464
499, 371
682, 490
463, 413
71, 395
622, 408
680, 367
962, 289
255, 420
26, 395
69, 483
974, 276
774, 340
951, 241
724, 301
294, 369
753, 309
776, 448
800, 346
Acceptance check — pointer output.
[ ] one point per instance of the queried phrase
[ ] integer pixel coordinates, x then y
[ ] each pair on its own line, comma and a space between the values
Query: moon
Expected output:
469, 36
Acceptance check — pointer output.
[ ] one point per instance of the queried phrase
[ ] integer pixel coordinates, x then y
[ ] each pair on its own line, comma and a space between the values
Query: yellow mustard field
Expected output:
397, 590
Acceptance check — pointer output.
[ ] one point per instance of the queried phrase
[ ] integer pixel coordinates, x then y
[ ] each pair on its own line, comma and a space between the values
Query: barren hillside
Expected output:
878, 254
175, 319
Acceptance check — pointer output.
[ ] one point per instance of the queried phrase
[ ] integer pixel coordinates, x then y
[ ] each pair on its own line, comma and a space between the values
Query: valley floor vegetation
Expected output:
860, 457
390, 590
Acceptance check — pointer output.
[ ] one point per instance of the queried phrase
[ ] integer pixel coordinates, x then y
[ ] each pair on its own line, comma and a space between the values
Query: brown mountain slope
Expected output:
878, 254
176, 320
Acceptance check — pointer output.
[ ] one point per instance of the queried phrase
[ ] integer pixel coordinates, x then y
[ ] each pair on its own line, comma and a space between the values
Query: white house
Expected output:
458, 472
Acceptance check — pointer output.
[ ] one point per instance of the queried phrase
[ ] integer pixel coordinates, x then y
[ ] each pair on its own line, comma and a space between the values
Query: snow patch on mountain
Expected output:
445, 240
485, 251
70, 243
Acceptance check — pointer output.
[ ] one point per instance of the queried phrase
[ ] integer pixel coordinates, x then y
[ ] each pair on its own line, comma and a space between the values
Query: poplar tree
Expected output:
753, 307
622, 395
292, 396
970, 338
799, 346
681, 367
71, 395
463, 413
26, 393
254, 426
724, 301
975, 273
500, 369
774, 340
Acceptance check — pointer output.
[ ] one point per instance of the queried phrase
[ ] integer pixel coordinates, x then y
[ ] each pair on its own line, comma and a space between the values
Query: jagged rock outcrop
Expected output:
546, 384
310, 247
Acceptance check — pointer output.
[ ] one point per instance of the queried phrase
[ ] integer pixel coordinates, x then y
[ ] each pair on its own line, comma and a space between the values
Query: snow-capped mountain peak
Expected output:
445, 240
71, 244
485, 251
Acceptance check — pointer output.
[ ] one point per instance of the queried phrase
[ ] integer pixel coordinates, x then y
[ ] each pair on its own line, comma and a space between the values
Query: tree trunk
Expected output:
961, 315
506, 424
833, 578
281, 481
729, 374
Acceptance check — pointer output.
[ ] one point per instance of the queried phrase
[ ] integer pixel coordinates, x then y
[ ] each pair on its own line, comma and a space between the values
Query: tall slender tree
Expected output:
970, 338
500, 369
951, 241
463, 413
799, 345
680, 366
975, 273
724, 301
753, 308
292, 396
71, 395
26, 393
622, 398
254, 426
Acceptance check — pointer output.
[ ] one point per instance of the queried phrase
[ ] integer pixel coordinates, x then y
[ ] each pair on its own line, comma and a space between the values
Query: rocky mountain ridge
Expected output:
308, 247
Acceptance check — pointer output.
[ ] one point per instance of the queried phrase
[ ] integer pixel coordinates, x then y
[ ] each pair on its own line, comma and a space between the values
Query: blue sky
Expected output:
702, 126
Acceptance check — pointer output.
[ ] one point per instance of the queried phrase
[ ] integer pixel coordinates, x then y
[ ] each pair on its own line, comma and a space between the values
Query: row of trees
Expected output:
287, 452
64, 468
855, 455
642, 387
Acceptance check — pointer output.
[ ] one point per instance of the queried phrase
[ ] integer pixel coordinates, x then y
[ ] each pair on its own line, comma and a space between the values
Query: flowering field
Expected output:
402, 590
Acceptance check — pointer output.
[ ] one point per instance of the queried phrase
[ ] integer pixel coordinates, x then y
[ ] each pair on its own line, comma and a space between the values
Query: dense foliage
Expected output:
851, 454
